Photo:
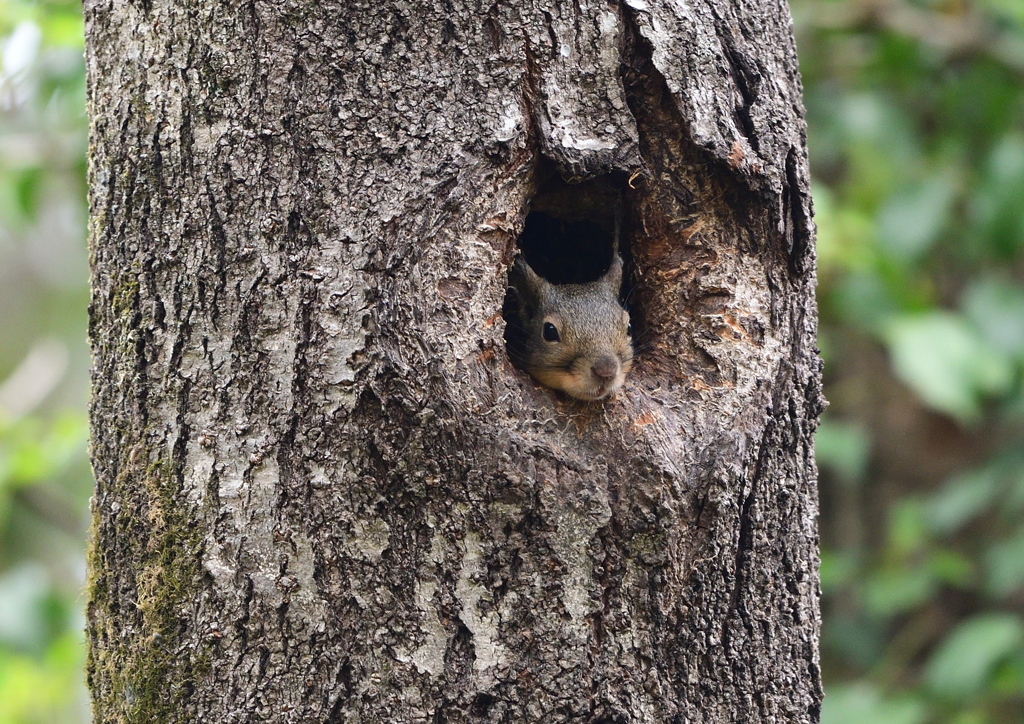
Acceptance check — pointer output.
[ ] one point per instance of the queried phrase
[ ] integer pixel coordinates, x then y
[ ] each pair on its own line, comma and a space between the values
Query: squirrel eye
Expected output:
550, 332
629, 329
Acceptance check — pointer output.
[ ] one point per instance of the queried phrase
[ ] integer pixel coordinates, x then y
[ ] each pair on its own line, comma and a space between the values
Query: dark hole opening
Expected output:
564, 251
570, 231
569, 237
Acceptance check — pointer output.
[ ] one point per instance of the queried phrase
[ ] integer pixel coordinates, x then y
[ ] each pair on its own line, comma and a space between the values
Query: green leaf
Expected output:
843, 447
64, 29
31, 451
908, 530
911, 221
961, 500
941, 358
897, 590
22, 592
1008, 678
996, 308
1004, 566
837, 569
862, 299
951, 567
1015, 498
973, 716
845, 234
42, 691
861, 703
995, 207
964, 661
1011, 9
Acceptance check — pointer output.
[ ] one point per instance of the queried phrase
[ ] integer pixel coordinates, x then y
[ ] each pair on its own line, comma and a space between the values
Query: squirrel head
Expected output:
570, 337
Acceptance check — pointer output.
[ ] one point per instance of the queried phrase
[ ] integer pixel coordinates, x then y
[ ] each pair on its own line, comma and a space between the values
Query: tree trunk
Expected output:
323, 493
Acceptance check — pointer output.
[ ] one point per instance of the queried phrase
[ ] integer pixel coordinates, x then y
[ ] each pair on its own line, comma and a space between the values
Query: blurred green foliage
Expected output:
916, 132
916, 129
44, 477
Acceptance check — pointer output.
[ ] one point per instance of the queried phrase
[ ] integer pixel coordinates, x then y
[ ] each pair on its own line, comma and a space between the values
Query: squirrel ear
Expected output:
531, 283
613, 277
512, 304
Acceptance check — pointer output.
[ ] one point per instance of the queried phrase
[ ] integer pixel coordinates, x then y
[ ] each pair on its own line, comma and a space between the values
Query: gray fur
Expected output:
590, 320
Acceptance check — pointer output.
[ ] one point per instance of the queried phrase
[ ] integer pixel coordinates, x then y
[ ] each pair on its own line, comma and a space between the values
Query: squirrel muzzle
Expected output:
570, 337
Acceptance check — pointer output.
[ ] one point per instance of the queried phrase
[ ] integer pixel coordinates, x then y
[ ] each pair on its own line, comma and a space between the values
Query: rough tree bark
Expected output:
323, 494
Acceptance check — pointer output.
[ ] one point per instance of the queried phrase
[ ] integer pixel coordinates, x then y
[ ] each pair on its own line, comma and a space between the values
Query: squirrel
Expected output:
571, 337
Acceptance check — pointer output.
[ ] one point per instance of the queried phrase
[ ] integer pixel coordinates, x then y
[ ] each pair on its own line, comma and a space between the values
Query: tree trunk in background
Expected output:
323, 494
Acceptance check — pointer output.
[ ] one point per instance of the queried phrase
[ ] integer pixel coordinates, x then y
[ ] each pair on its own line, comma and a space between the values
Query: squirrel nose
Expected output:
605, 368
